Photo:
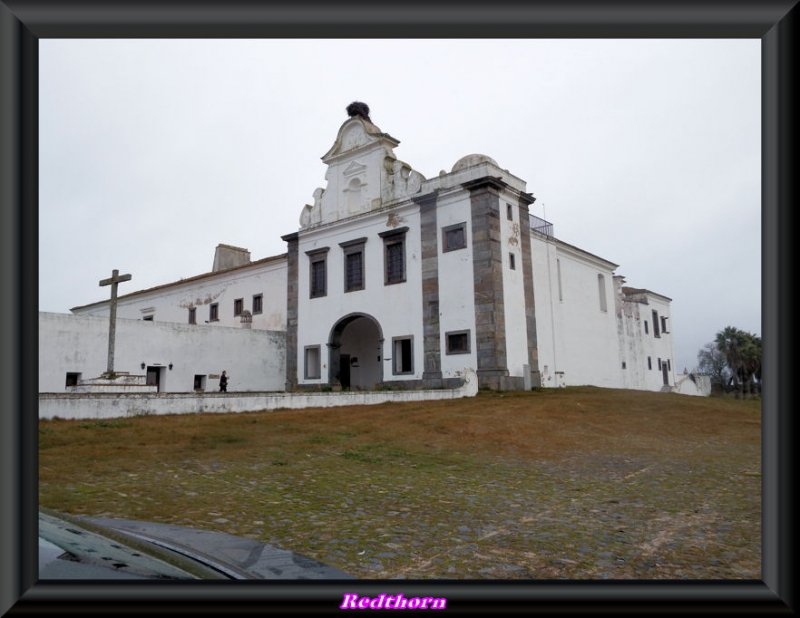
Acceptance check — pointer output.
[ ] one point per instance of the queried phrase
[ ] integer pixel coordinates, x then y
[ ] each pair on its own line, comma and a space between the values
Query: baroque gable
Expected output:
363, 173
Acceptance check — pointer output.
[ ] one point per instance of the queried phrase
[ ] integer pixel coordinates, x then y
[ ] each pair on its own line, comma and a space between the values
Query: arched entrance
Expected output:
355, 349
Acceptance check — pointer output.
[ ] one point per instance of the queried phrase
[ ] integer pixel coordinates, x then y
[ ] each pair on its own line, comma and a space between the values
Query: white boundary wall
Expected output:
122, 405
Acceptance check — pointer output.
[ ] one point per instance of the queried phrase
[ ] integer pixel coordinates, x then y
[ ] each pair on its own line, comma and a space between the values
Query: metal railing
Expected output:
541, 226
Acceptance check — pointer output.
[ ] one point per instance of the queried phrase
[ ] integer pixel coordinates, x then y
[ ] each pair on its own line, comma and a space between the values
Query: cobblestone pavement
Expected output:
595, 517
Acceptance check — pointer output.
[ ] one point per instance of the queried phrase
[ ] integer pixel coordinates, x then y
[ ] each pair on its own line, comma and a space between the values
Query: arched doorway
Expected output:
355, 349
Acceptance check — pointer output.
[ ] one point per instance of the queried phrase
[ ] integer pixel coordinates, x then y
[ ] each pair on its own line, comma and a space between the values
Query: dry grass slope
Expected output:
576, 483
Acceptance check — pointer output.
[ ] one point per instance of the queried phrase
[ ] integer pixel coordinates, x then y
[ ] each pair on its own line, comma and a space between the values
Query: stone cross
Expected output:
115, 279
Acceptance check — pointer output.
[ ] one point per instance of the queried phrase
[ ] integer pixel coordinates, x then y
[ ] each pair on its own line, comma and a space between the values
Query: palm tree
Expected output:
731, 341
751, 360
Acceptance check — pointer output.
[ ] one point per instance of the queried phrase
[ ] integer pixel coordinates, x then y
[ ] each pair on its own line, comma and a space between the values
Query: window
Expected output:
72, 379
512, 263
395, 262
659, 364
318, 272
663, 324
509, 212
199, 382
192, 315
623, 365
458, 342
353, 264
655, 326
258, 303
646, 329
454, 237
649, 362
238, 306
394, 255
402, 358
148, 318
601, 290
669, 365
312, 362
213, 312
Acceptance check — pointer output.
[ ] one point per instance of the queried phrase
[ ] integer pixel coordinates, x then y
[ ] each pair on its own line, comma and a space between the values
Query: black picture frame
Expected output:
23, 23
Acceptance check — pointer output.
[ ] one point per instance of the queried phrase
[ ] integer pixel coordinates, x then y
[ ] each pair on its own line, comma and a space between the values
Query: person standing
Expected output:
223, 383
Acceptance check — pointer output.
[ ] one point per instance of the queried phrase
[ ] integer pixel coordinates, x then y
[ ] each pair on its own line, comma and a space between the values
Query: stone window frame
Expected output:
315, 257
452, 228
192, 315
354, 247
238, 306
258, 304
392, 238
213, 312
449, 337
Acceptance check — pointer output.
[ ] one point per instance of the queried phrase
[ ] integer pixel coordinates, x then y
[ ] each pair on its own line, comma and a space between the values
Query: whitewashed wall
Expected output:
513, 287
456, 283
254, 359
578, 341
396, 307
171, 302
69, 406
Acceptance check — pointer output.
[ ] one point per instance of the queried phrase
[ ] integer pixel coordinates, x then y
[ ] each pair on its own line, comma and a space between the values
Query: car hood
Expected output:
72, 547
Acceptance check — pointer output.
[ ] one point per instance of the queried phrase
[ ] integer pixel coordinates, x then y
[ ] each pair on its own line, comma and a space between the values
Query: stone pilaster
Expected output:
487, 262
292, 295
431, 342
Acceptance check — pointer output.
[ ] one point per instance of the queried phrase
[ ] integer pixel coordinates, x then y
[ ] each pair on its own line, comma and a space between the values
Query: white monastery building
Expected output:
391, 280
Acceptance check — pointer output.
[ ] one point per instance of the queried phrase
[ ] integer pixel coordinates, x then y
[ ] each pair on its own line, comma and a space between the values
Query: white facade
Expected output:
221, 288
176, 357
393, 279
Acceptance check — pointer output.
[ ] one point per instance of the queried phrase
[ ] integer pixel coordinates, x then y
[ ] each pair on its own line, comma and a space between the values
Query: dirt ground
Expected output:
576, 483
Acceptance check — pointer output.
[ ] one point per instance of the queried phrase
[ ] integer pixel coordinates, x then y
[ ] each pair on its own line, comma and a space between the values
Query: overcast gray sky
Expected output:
644, 152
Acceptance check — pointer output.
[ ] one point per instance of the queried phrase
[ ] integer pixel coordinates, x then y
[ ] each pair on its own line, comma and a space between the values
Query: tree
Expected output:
751, 362
712, 362
742, 352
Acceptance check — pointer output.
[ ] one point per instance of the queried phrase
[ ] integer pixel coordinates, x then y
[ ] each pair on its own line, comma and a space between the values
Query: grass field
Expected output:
575, 483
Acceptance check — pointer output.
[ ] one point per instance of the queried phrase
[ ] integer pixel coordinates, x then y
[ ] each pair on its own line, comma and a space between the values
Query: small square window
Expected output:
72, 379
458, 342
258, 303
238, 306
192, 315
454, 237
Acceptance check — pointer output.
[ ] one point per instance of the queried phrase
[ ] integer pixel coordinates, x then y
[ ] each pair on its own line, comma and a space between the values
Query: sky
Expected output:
645, 152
